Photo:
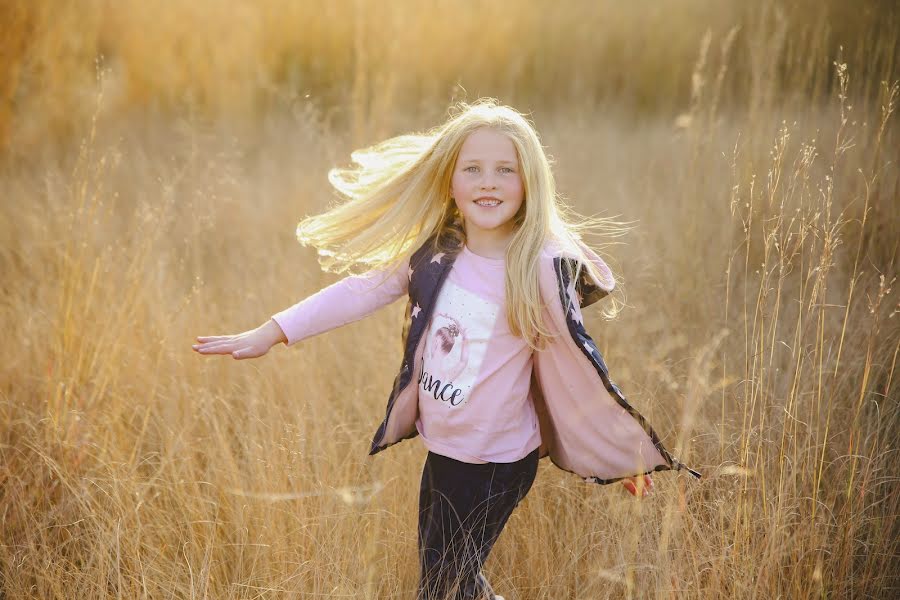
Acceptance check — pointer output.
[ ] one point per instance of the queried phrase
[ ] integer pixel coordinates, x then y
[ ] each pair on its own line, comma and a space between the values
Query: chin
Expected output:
493, 226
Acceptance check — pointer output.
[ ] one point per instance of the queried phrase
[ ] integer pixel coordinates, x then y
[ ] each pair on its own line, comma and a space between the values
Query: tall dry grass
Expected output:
760, 334
366, 61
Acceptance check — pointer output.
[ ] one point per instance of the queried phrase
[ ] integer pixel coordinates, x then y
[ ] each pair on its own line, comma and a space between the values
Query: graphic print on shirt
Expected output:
454, 352
442, 357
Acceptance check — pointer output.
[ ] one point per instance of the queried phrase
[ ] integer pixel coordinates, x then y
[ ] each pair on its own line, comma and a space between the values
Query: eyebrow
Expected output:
470, 160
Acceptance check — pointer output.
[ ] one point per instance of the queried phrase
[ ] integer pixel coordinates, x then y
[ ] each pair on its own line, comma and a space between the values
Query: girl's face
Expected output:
487, 166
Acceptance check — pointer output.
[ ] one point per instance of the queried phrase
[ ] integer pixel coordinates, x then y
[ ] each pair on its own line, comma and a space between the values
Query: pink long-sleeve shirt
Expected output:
473, 395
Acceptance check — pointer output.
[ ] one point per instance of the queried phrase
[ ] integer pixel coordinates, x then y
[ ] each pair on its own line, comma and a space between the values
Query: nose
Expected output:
488, 183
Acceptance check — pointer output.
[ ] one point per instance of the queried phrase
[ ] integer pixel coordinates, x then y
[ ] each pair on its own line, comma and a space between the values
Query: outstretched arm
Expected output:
345, 301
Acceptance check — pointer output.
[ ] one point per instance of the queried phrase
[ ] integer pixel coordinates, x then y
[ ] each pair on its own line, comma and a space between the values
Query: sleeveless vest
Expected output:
587, 426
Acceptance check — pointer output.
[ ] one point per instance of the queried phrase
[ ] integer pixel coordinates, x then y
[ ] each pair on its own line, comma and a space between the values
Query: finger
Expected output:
216, 344
220, 348
643, 489
223, 339
211, 338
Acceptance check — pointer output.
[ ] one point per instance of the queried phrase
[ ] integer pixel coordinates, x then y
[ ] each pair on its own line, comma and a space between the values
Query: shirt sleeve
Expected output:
343, 302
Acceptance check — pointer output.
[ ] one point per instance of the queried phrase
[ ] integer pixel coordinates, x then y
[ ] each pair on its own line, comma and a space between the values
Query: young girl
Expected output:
498, 370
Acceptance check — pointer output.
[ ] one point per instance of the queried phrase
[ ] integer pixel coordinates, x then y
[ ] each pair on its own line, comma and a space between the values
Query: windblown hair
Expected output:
398, 198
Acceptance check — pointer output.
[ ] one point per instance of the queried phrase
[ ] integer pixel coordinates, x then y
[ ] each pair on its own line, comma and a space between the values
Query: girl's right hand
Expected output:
250, 344
631, 483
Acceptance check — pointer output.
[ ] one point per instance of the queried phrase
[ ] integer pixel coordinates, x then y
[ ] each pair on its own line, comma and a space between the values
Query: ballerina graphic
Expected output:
449, 349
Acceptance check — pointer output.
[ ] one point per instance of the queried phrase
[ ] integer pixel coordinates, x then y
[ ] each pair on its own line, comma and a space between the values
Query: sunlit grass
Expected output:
760, 334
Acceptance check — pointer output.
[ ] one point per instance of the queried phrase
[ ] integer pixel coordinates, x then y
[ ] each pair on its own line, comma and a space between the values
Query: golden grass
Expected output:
365, 60
760, 334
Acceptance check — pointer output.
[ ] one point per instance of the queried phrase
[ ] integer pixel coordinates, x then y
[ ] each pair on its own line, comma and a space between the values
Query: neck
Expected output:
489, 244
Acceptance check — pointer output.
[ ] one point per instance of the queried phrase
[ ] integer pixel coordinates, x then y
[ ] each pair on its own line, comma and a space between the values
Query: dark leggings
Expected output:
462, 510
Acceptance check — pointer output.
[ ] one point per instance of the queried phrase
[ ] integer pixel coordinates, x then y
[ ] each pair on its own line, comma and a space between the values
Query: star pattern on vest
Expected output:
576, 316
570, 292
571, 305
572, 299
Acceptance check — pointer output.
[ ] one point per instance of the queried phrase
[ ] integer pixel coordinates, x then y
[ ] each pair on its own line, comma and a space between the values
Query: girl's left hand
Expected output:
631, 484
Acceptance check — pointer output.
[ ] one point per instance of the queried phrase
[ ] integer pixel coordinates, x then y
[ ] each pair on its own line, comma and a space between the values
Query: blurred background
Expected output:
155, 158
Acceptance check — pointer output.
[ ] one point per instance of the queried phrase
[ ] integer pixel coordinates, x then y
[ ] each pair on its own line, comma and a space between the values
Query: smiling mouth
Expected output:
486, 202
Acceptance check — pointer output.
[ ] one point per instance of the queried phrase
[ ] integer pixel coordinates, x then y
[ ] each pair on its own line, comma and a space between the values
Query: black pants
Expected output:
462, 510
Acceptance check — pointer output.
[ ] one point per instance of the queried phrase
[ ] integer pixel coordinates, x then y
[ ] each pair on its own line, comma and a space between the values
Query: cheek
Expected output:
518, 186
455, 185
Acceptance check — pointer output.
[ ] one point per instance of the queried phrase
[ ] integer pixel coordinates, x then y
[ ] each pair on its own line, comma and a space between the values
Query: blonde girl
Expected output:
498, 370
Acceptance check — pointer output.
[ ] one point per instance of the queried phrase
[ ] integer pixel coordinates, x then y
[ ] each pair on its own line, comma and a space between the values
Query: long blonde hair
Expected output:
398, 197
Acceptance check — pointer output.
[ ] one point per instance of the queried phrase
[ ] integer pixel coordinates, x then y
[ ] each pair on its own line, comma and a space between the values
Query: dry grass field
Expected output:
155, 158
